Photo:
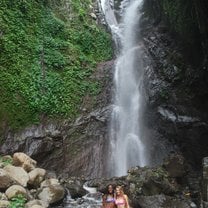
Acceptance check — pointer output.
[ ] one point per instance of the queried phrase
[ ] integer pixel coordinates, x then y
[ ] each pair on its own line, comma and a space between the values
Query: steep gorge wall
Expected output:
176, 79
54, 83
187, 20
49, 50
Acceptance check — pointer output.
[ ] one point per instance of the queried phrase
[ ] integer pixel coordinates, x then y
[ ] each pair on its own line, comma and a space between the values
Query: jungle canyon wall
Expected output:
51, 48
175, 35
187, 20
53, 71
48, 52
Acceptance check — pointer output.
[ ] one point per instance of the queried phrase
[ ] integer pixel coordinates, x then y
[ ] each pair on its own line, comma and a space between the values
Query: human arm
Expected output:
126, 201
103, 201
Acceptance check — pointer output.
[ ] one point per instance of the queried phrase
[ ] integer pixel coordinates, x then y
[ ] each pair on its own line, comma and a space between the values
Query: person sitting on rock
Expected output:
121, 199
108, 198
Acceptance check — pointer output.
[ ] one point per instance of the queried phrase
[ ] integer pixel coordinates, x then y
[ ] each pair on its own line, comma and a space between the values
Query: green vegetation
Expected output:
18, 201
5, 160
48, 52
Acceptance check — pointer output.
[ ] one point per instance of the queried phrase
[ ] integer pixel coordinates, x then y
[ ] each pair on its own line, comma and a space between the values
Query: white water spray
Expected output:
126, 143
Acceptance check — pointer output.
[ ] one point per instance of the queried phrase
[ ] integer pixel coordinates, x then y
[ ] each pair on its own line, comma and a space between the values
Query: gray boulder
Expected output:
5, 179
18, 174
15, 190
52, 194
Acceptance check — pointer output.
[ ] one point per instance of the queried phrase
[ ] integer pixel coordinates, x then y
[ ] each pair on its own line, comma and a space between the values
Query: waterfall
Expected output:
127, 146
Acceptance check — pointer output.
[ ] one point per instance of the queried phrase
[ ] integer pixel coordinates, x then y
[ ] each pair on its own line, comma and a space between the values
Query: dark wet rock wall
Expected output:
175, 82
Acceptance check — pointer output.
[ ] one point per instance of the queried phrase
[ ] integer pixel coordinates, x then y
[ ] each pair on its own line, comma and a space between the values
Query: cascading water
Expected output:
126, 143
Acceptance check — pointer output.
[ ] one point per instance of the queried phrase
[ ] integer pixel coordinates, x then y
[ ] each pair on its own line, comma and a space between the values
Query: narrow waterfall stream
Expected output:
127, 147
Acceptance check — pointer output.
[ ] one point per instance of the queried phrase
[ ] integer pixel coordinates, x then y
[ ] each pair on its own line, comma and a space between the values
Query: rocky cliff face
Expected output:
175, 92
73, 148
187, 20
175, 83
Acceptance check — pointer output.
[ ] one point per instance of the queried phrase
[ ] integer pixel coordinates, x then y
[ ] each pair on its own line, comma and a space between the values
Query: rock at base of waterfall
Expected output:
75, 187
36, 176
18, 174
15, 190
49, 182
151, 181
52, 194
34, 203
5, 179
37, 206
24, 161
162, 201
4, 203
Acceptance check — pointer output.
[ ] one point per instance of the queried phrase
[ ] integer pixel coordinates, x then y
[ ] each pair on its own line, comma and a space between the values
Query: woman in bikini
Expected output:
121, 199
108, 199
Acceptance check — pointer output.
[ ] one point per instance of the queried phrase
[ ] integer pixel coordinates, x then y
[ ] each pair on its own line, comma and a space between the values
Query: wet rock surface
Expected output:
175, 119
75, 186
157, 187
176, 100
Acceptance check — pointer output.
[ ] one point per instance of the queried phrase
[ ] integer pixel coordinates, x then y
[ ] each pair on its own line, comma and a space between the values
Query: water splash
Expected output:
92, 199
126, 143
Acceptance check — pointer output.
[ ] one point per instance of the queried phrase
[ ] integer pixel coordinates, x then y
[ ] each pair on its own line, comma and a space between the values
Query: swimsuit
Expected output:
120, 201
110, 202
110, 199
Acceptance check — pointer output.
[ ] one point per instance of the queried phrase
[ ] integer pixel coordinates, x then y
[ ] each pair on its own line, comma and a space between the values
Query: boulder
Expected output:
75, 187
49, 182
37, 206
151, 181
3, 196
4, 204
36, 176
52, 194
18, 174
5, 179
93, 15
162, 201
14, 190
24, 161
36, 202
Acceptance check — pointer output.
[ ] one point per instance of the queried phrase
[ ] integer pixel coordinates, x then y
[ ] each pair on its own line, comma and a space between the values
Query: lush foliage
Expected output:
6, 161
48, 52
18, 201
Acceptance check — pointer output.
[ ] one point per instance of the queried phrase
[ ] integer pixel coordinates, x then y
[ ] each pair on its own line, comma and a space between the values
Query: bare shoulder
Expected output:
125, 196
127, 201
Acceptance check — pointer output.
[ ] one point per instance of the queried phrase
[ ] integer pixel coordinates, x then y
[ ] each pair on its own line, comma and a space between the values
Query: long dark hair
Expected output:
107, 188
